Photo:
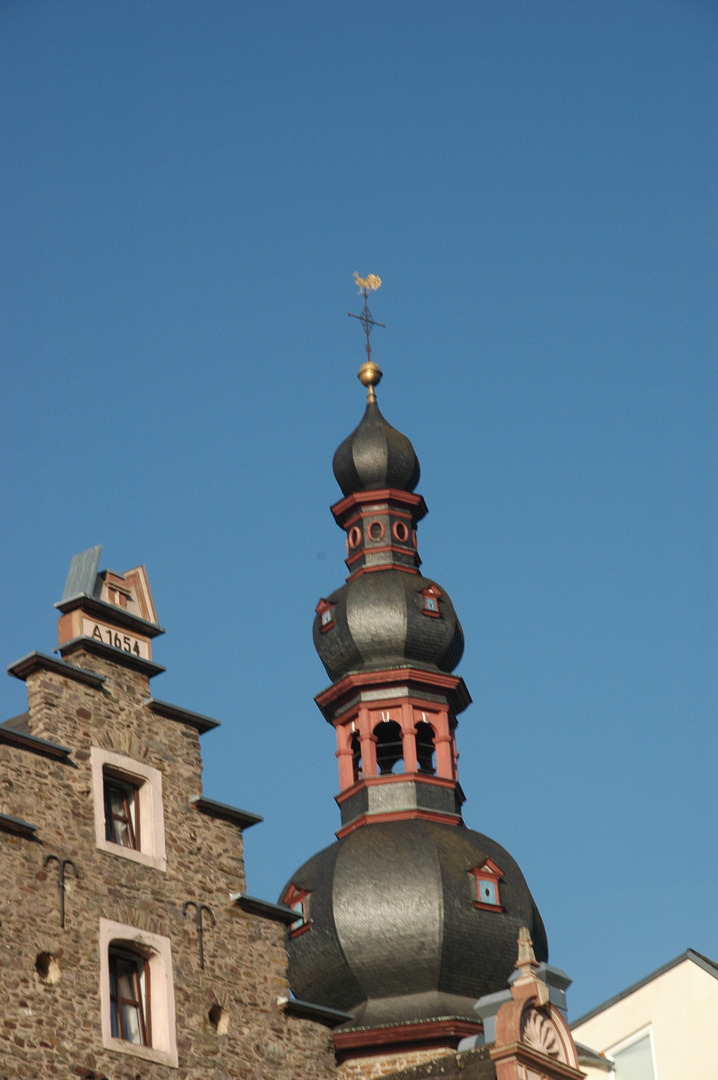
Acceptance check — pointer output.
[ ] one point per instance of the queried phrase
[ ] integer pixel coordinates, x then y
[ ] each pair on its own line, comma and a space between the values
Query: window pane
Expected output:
114, 1018
121, 833
487, 891
120, 826
127, 1018
131, 1023
635, 1062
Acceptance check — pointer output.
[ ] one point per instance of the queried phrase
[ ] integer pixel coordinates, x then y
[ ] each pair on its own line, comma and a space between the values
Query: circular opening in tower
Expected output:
376, 531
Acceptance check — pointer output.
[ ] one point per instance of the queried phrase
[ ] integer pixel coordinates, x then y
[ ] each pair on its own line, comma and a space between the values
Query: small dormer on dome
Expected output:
376, 456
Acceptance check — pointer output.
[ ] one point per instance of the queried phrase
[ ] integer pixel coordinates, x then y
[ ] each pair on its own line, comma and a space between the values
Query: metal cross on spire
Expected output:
369, 372
366, 285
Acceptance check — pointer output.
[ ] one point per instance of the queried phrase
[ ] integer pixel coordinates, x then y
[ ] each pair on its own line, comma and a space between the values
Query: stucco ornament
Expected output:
533, 1039
538, 1031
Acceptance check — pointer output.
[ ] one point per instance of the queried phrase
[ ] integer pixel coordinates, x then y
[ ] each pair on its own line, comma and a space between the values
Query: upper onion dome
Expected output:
376, 456
379, 621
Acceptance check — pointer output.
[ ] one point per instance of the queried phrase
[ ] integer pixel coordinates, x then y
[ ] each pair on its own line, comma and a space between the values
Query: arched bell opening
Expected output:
425, 751
356, 757
389, 747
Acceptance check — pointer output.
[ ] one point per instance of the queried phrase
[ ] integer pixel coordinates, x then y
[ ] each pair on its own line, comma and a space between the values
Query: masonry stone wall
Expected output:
379, 1066
52, 1028
468, 1065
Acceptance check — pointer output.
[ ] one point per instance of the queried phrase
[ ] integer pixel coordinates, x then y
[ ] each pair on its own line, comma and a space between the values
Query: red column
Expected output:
345, 757
408, 739
444, 756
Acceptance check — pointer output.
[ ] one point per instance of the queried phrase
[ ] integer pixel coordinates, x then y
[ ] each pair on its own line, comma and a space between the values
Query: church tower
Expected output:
409, 917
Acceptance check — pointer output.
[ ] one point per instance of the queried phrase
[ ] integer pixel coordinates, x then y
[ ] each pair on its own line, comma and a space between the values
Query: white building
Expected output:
661, 1028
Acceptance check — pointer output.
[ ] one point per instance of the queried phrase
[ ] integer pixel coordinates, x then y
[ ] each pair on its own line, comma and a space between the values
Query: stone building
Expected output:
128, 948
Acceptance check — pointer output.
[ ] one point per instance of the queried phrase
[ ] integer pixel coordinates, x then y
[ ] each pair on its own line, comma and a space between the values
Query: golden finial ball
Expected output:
369, 374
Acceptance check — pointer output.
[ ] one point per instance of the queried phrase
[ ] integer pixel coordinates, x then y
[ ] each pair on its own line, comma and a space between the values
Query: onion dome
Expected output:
376, 456
396, 930
379, 621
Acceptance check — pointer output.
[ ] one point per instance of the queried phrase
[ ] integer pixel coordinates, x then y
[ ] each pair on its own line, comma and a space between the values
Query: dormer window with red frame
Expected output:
431, 601
296, 899
324, 611
487, 876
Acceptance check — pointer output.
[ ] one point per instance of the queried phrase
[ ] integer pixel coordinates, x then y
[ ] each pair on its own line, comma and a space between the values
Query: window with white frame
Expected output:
122, 824
137, 992
129, 819
130, 1019
634, 1057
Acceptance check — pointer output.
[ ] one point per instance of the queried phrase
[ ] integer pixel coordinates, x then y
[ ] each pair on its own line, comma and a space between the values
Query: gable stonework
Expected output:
53, 1028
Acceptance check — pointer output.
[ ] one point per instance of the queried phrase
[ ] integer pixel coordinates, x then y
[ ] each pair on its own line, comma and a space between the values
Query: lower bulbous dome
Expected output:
394, 935
379, 621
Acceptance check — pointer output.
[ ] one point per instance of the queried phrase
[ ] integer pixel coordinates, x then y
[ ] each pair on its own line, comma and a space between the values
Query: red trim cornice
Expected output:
419, 1036
452, 686
527, 1057
380, 549
399, 815
362, 498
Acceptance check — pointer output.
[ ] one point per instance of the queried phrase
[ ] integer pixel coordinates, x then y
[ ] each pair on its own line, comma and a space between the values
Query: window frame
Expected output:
431, 596
154, 953
142, 994
324, 609
108, 766
296, 899
487, 871
131, 801
631, 1040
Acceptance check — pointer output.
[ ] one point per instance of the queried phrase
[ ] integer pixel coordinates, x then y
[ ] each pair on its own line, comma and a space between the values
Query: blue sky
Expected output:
186, 190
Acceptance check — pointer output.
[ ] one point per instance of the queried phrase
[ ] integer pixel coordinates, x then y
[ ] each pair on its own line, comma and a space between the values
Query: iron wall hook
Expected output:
62, 865
199, 909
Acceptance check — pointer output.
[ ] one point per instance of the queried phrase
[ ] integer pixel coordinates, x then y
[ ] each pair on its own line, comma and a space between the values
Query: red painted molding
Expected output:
420, 1036
452, 686
371, 512
377, 549
363, 498
399, 815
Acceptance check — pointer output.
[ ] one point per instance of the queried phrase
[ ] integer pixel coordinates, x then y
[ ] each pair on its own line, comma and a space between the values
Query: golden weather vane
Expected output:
369, 373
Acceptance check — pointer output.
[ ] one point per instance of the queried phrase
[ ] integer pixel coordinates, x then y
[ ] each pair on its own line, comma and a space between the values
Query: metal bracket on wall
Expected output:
62, 865
199, 909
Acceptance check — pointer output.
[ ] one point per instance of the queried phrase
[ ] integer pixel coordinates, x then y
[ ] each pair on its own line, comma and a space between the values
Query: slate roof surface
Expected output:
376, 456
380, 624
394, 934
